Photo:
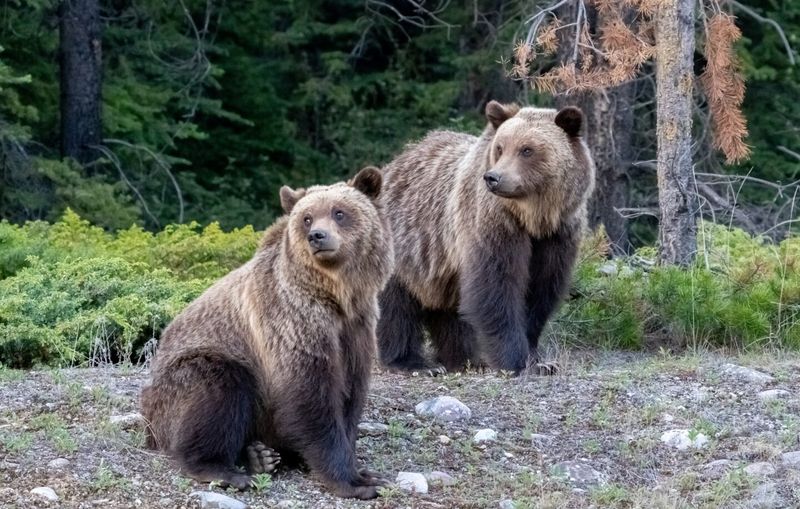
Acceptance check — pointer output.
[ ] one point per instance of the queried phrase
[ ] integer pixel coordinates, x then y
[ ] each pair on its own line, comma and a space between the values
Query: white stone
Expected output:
437, 477
579, 474
506, 504
372, 428
58, 464
760, 469
444, 439
766, 496
46, 493
717, 468
771, 394
412, 481
608, 269
444, 408
791, 459
746, 374
133, 420
681, 439
211, 500
538, 438
485, 435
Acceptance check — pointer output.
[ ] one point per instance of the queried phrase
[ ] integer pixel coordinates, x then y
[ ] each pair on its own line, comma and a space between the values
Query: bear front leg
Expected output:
551, 263
361, 341
492, 300
313, 423
399, 331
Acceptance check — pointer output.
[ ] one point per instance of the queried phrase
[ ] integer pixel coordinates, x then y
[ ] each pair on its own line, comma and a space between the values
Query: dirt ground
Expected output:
590, 436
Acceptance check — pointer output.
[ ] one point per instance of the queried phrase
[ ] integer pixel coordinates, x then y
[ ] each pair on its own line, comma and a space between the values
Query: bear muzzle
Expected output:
322, 243
500, 185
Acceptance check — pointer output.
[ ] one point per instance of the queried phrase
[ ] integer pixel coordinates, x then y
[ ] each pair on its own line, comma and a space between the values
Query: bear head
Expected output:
538, 155
332, 226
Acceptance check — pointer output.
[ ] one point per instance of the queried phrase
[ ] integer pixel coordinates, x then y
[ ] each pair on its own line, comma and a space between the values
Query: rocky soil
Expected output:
611, 430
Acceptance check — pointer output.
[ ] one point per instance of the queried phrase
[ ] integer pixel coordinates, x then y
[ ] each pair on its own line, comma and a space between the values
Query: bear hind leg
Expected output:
399, 331
453, 339
216, 422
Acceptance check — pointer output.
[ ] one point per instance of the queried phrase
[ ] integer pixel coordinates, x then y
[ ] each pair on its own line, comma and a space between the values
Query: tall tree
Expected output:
80, 33
674, 32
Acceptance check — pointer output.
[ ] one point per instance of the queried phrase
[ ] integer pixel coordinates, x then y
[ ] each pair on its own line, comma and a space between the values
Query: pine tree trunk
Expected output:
81, 78
676, 186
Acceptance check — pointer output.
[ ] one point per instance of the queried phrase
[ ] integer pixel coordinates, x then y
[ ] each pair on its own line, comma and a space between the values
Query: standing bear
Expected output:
275, 358
486, 231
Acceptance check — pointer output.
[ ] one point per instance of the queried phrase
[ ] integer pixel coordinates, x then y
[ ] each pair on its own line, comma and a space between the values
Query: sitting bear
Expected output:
275, 358
486, 232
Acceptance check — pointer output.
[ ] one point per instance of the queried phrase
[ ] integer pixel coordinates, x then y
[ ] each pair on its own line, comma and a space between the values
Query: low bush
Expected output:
72, 293
742, 292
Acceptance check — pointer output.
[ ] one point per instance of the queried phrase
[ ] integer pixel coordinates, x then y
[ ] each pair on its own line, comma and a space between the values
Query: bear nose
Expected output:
492, 179
316, 235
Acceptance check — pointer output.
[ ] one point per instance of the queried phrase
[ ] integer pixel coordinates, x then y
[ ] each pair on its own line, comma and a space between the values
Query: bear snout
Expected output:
492, 180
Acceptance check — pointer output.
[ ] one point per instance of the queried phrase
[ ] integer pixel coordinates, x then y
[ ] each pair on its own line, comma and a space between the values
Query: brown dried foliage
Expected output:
723, 85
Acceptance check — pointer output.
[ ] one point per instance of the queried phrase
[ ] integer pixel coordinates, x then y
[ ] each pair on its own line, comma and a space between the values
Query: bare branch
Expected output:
788, 152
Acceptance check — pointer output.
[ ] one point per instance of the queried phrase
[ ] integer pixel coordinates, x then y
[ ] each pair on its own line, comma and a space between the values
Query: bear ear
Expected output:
497, 113
368, 181
289, 197
570, 119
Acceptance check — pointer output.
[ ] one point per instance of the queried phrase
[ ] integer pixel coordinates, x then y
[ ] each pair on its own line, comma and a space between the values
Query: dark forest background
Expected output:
209, 106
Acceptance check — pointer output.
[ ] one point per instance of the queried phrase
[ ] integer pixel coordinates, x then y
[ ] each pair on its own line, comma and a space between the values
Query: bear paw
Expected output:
261, 458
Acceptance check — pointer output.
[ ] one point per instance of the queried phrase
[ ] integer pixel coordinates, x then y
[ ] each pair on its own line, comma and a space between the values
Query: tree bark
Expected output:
80, 34
675, 78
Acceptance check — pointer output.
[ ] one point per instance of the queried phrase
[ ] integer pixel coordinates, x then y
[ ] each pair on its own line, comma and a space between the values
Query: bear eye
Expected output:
307, 220
499, 151
526, 152
338, 215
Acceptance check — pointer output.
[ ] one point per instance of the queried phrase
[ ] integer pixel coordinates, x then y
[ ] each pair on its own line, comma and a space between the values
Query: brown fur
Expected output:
279, 351
483, 270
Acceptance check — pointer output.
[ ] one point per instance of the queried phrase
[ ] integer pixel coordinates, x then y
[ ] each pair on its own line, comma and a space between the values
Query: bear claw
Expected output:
261, 458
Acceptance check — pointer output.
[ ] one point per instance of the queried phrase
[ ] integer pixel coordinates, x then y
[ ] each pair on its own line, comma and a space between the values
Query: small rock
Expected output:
58, 464
166, 502
716, 469
412, 481
580, 475
286, 504
760, 469
541, 439
133, 420
211, 500
437, 477
746, 374
46, 493
766, 496
791, 459
7, 493
608, 269
681, 439
771, 394
485, 435
506, 504
444, 408
372, 428
444, 439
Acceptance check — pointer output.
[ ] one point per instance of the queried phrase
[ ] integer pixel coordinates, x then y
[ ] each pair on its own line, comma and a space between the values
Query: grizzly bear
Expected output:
274, 360
486, 231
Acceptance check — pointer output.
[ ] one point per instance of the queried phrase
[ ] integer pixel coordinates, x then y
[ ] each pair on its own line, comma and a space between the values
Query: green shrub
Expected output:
70, 312
72, 293
742, 292
187, 250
